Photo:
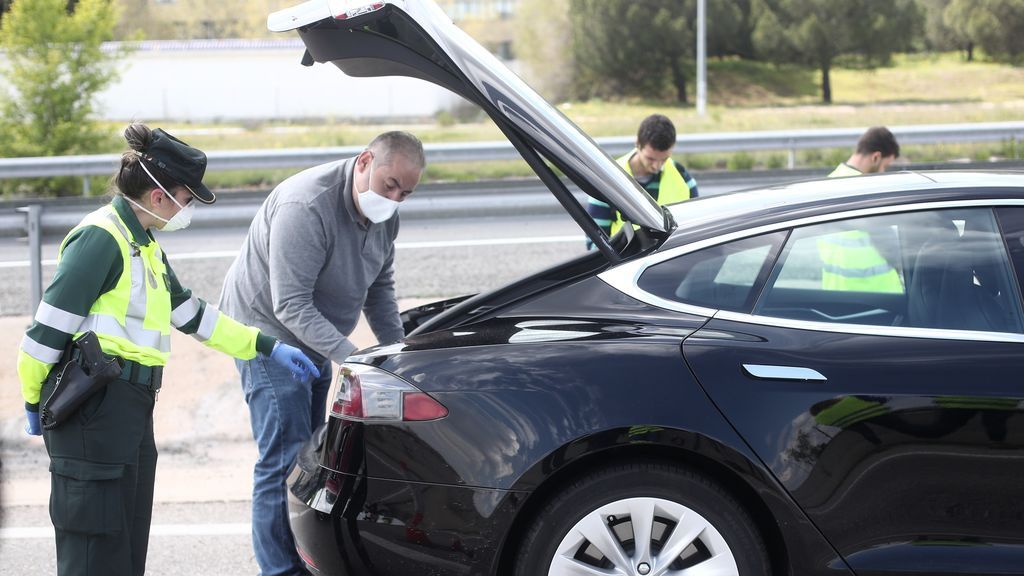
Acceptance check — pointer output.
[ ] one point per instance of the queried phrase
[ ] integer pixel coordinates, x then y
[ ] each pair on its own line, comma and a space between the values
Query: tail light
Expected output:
366, 393
308, 559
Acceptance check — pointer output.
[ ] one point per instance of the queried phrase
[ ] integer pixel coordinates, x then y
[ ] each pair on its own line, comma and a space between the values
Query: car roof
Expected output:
760, 206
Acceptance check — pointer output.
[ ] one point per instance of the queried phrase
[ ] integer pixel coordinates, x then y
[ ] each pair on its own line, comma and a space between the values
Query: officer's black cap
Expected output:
183, 163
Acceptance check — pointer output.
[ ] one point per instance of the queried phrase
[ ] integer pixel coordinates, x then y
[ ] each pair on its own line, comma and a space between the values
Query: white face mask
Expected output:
373, 205
181, 219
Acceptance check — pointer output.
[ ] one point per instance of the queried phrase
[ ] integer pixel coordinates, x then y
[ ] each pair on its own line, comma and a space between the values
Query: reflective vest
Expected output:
133, 320
672, 187
844, 170
851, 262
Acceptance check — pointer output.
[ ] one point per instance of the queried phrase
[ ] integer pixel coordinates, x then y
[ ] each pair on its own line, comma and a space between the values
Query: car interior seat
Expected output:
946, 290
994, 288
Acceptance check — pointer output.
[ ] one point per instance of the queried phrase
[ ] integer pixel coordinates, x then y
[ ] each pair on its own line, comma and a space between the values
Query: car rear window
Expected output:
724, 277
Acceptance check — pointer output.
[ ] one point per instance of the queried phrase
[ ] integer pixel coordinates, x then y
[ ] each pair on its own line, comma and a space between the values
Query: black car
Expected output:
822, 378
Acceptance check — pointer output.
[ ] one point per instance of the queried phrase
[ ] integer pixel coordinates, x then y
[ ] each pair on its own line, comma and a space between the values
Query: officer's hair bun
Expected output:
139, 136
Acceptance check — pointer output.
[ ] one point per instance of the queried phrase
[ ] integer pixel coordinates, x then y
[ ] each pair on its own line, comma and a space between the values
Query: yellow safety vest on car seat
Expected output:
850, 262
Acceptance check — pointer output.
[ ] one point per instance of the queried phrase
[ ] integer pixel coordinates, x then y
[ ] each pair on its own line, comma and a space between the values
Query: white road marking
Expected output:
42, 532
398, 246
24, 263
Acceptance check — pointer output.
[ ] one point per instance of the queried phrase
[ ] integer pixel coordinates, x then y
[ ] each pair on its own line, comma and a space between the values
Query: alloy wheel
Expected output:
643, 537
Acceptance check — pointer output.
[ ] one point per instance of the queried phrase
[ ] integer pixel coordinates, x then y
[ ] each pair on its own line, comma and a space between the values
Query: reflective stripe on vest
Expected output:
672, 187
850, 262
132, 320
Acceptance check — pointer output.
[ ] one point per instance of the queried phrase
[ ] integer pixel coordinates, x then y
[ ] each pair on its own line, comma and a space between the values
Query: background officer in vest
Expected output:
651, 164
113, 279
876, 150
850, 259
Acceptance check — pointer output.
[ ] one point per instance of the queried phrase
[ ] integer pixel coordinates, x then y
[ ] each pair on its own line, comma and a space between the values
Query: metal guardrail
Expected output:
790, 140
432, 200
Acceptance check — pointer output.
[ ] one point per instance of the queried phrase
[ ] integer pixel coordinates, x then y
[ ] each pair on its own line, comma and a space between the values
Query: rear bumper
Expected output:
347, 524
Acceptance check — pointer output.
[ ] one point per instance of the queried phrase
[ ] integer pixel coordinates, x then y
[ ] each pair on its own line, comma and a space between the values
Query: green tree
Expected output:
995, 26
544, 47
625, 47
730, 28
56, 66
820, 32
647, 47
938, 36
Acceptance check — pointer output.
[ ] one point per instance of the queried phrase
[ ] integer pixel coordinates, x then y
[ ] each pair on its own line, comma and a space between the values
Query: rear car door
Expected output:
890, 407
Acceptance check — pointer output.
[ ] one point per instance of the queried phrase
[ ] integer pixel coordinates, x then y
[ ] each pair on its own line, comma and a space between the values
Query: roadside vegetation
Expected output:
743, 96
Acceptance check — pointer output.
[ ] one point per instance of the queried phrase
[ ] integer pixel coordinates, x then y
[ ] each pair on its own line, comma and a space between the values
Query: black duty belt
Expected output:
149, 376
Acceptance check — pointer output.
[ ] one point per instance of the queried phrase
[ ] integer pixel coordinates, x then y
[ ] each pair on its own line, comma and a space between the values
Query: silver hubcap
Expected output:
643, 537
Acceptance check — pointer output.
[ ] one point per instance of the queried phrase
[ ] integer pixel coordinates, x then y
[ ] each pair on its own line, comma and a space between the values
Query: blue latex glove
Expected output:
296, 361
33, 426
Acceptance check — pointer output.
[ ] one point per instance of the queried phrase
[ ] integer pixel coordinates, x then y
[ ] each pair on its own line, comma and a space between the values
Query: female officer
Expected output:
113, 279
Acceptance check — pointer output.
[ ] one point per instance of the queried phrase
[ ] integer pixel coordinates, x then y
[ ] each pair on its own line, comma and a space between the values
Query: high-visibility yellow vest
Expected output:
671, 187
133, 320
851, 262
844, 170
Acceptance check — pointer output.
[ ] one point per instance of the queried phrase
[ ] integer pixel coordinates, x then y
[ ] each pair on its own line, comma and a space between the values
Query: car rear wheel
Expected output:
642, 519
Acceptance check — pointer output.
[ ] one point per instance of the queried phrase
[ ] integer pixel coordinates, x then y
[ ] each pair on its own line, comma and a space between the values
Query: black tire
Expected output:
637, 487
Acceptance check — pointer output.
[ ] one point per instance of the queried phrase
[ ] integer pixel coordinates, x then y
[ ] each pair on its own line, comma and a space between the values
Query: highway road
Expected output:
187, 539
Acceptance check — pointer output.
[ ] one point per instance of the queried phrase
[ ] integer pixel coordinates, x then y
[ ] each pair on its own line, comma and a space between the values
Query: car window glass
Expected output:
943, 269
723, 277
846, 256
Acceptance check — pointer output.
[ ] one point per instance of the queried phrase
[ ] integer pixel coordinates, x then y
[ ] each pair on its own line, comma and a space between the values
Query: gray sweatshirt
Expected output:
309, 265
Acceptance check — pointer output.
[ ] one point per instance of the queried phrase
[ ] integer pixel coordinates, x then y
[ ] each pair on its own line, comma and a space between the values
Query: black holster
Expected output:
84, 371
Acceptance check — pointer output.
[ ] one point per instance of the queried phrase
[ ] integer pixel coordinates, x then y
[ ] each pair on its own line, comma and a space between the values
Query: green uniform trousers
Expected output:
102, 469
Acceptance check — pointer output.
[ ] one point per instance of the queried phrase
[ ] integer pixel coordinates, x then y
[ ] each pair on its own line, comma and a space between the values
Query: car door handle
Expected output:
769, 372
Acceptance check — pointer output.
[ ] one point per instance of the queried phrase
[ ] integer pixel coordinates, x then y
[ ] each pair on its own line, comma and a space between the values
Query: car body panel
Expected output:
506, 377
909, 448
391, 528
525, 402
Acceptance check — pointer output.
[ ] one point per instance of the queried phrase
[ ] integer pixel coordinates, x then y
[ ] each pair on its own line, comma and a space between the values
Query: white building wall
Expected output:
238, 80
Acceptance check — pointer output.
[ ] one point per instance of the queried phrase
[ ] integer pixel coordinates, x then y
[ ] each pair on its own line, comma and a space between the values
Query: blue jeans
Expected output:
283, 414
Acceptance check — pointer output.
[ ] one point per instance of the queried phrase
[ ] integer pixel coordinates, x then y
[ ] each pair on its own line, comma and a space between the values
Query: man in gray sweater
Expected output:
320, 250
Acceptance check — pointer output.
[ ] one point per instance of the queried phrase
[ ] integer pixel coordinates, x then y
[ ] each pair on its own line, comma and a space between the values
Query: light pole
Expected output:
702, 87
